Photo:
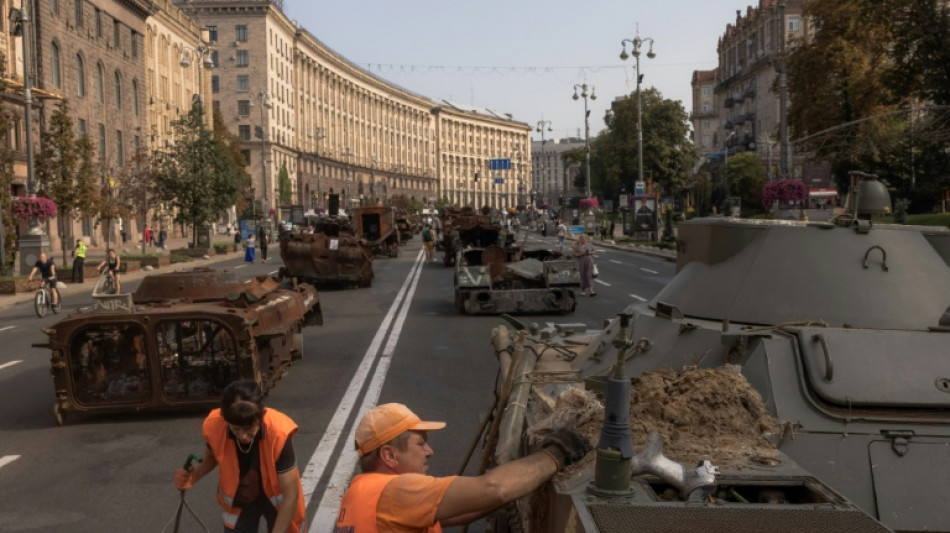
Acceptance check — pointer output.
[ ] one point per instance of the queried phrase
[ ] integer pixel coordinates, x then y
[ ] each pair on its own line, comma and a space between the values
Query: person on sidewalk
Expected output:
249, 249
47, 269
148, 235
584, 254
162, 235
79, 259
561, 234
254, 447
428, 241
393, 492
263, 245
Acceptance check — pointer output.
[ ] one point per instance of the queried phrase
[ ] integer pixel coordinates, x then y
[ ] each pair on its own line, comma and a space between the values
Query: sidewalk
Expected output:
95, 255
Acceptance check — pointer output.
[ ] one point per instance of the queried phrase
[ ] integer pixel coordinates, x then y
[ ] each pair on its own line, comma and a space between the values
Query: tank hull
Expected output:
327, 259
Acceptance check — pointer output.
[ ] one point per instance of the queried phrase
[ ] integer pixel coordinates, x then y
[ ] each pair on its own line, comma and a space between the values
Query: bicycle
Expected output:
43, 301
106, 282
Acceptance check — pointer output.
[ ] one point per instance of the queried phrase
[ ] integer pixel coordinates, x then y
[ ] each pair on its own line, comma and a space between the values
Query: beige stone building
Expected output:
297, 104
705, 115
552, 177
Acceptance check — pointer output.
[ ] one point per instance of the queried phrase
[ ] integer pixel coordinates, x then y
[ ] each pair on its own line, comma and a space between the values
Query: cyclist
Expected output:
112, 262
47, 268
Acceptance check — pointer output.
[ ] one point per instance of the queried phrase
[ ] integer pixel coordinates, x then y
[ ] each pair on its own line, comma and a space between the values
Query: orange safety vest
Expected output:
277, 428
358, 508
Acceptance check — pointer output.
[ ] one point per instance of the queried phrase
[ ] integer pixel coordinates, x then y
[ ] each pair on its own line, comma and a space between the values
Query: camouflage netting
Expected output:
709, 414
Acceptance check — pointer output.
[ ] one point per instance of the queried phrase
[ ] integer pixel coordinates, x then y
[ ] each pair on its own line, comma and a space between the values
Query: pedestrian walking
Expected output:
393, 492
603, 229
544, 229
428, 241
584, 254
263, 244
249, 249
162, 235
79, 260
148, 235
253, 447
561, 234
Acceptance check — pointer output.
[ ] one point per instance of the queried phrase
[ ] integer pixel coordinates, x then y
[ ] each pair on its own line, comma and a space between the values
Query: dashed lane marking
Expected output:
7, 459
640, 298
11, 363
604, 283
616, 262
239, 266
649, 271
272, 273
7, 328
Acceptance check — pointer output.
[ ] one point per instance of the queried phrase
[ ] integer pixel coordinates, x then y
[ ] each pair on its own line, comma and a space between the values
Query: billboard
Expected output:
644, 217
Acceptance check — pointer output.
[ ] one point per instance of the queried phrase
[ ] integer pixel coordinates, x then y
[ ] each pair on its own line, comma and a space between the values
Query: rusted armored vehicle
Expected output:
177, 341
329, 253
793, 376
377, 226
463, 227
405, 224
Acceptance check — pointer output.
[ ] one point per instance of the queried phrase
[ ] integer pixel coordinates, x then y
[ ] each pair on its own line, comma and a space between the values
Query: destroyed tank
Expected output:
376, 225
177, 342
793, 376
463, 227
329, 253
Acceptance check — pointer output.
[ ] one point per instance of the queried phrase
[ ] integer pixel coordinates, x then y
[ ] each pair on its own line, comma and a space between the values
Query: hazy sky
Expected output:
401, 40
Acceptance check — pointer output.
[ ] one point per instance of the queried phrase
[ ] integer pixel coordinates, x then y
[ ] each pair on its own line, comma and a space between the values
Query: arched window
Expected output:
80, 77
135, 97
54, 69
118, 90
100, 82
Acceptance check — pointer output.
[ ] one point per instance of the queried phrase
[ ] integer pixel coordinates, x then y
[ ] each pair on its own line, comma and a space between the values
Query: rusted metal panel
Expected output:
377, 226
332, 254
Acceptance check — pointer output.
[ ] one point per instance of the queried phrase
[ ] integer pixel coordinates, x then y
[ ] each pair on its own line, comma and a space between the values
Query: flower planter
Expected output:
16, 286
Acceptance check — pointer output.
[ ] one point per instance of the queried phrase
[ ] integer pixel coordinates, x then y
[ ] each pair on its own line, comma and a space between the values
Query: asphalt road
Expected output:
400, 340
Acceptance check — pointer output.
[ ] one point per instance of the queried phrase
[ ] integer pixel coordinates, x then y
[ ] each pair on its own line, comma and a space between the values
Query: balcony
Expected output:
729, 103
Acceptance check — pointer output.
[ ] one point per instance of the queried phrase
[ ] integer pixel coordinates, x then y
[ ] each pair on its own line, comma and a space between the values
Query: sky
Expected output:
524, 56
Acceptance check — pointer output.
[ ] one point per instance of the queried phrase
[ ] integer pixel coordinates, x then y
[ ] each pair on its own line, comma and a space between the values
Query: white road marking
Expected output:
640, 298
11, 363
250, 280
334, 432
617, 262
649, 271
604, 283
7, 459
272, 273
7, 328
239, 266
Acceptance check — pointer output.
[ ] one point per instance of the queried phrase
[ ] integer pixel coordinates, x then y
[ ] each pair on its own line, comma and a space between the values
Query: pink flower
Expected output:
25, 208
588, 203
783, 191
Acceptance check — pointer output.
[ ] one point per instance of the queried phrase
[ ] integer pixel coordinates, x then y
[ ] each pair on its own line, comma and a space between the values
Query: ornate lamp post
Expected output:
542, 125
637, 42
583, 94
203, 54
265, 102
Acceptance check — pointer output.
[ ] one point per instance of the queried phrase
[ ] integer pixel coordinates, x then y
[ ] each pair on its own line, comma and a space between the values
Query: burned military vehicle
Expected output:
793, 376
177, 342
329, 253
405, 225
377, 226
463, 227
492, 277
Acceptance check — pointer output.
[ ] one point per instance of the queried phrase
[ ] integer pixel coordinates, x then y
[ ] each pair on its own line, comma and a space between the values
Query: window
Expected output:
242, 59
134, 43
119, 152
216, 106
102, 143
244, 107
247, 157
706, 107
214, 58
98, 23
199, 358
111, 353
793, 24
705, 91
212, 34
116, 33
244, 132
82, 127
243, 83
117, 82
80, 77
215, 84
135, 98
54, 6
78, 12
240, 32
100, 90
54, 66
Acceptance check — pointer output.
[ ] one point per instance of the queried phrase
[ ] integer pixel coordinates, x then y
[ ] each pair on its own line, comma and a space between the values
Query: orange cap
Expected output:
384, 423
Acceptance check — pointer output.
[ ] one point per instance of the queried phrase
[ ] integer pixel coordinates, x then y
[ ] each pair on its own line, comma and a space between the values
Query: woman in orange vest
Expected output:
253, 446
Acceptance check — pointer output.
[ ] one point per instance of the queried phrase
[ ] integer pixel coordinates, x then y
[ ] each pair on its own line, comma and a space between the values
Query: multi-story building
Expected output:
553, 177
746, 107
337, 128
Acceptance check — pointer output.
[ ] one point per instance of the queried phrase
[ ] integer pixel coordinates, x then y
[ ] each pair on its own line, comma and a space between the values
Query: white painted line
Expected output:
321, 455
329, 506
604, 283
239, 266
272, 273
650, 271
617, 262
11, 363
640, 298
7, 459
7, 328
250, 280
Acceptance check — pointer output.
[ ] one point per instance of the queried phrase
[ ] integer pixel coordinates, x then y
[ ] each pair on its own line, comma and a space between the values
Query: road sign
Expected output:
498, 181
640, 189
499, 164
623, 201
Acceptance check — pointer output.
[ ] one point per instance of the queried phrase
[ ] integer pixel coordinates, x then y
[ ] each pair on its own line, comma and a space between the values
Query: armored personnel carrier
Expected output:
177, 342
793, 376
376, 225
463, 227
329, 254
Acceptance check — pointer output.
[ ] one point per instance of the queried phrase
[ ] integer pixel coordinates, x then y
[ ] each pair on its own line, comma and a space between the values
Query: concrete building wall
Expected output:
552, 178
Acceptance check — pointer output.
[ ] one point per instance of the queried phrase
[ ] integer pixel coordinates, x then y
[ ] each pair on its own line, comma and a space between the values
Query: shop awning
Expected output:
822, 193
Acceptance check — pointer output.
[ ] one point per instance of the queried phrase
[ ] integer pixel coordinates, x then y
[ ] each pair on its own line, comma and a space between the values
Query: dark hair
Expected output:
242, 403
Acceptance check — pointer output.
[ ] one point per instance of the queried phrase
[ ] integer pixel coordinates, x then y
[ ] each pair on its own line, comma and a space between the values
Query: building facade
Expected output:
705, 115
552, 177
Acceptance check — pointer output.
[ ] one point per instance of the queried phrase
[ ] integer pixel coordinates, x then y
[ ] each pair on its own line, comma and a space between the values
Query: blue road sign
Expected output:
499, 181
499, 164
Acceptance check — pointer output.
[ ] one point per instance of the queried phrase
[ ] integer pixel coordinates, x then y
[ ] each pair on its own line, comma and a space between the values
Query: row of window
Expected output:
57, 80
240, 33
78, 20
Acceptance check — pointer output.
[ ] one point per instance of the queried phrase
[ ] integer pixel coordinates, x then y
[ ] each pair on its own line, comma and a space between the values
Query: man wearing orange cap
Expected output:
393, 492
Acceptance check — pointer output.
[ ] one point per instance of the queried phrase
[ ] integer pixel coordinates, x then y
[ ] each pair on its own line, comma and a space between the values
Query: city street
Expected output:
400, 340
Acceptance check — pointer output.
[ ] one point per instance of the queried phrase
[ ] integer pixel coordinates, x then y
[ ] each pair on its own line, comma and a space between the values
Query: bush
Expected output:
177, 258
223, 247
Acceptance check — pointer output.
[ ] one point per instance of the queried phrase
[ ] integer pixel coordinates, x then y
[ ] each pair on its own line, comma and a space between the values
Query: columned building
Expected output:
336, 128
552, 177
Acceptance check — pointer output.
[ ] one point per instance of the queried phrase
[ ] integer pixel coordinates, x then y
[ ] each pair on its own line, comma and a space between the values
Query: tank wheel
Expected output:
59, 414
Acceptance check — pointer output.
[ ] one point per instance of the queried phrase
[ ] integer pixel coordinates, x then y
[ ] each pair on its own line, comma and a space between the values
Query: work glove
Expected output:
182, 479
566, 446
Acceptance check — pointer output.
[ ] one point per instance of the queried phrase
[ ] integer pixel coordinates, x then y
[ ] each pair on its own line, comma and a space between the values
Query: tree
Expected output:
7, 221
64, 170
196, 175
137, 187
232, 144
284, 191
745, 177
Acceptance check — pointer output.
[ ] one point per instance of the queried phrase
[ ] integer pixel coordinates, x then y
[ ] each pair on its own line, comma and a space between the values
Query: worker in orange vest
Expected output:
393, 492
253, 446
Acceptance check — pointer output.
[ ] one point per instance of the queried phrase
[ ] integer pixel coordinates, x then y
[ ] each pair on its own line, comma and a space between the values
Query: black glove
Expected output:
566, 446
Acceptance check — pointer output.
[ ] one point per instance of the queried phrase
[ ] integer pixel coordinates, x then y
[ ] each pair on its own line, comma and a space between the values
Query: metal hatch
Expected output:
877, 368
911, 484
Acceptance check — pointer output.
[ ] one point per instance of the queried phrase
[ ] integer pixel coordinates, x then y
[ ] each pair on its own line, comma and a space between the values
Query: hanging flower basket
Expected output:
783, 191
588, 203
26, 208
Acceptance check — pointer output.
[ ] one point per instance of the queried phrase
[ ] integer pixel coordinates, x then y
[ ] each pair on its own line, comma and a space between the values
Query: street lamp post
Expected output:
637, 43
584, 95
203, 54
318, 136
265, 103
542, 125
